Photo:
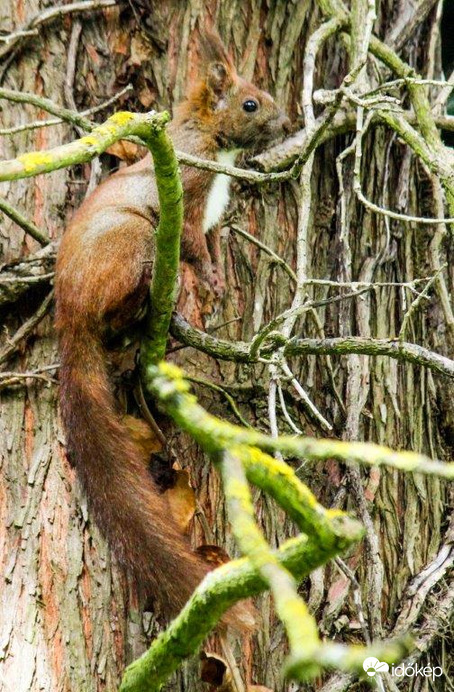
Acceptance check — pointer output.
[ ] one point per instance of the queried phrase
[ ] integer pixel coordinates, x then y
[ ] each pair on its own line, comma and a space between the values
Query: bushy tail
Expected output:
121, 494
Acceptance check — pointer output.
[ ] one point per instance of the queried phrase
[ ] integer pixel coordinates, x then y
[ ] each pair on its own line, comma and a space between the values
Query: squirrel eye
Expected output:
250, 106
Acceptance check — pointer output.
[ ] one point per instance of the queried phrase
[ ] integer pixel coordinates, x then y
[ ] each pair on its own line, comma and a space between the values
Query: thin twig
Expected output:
25, 330
255, 241
360, 130
49, 14
302, 393
217, 388
24, 223
416, 302
27, 279
287, 416
274, 430
36, 124
237, 681
357, 598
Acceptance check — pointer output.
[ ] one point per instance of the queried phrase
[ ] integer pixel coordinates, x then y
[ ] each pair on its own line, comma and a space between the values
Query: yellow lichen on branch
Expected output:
117, 127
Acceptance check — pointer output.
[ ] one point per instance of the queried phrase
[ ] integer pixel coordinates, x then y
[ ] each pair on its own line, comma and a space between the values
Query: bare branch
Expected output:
240, 351
26, 329
30, 27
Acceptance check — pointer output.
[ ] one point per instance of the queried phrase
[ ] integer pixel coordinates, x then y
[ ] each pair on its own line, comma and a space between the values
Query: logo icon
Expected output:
372, 665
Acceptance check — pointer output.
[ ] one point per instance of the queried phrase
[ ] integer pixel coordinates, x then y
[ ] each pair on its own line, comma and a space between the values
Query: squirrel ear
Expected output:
212, 49
218, 78
219, 68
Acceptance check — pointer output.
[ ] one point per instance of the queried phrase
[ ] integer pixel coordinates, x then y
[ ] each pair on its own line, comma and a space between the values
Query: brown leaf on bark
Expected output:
181, 499
147, 96
212, 669
119, 42
190, 302
93, 53
216, 672
126, 151
140, 50
142, 434
214, 555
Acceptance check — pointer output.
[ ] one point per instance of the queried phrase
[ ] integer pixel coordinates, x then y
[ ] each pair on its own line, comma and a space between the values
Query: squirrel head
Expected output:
235, 112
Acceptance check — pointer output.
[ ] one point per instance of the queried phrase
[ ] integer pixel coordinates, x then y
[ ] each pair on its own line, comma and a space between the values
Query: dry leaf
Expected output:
216, 672
140, 50
142, 434
119, 41
93, 53
246, 616
214, 555
147, 97
181, 499
126, 151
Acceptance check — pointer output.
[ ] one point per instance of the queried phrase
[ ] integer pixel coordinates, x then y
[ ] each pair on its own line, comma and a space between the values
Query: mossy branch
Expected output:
167, 251
328, 533
221, 589
167, 384
150, 128
241, 351
428, 145
147, 126
278, 479
24, 223
300, 626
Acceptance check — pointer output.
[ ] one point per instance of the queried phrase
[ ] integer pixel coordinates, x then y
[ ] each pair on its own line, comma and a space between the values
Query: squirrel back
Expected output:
102, 277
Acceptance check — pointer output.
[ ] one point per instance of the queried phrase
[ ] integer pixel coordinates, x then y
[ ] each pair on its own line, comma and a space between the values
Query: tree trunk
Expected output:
69, 620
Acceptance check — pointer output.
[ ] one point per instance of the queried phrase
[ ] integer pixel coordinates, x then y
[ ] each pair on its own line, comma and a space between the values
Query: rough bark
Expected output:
68, 619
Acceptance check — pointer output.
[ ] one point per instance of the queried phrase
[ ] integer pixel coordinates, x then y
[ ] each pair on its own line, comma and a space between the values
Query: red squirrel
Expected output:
102, 278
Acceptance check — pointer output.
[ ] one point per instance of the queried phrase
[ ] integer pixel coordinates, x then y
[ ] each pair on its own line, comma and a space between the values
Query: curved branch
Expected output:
116, 127
30, 28
291, 609
237, 351
23, 331
218, 591
167, 384
24, 223
167, 252
17, 277
240, 351
402, 351
46, 105
334, 532
283, 155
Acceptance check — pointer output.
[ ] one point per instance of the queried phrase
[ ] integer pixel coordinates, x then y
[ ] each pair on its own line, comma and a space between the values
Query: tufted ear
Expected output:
219, 70
213, 50
218, 78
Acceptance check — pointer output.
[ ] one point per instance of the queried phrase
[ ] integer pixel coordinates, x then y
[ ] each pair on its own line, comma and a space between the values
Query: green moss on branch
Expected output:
218, 591
167, 252
119, 126
298, 622
240, 351
168, 386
